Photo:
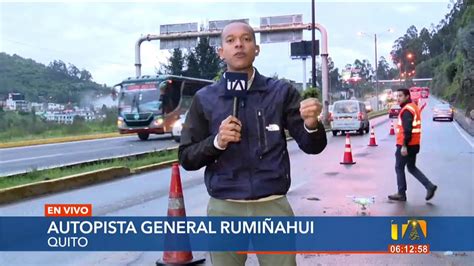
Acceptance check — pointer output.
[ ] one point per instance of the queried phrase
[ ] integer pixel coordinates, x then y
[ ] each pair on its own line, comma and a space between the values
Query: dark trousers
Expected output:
409, 161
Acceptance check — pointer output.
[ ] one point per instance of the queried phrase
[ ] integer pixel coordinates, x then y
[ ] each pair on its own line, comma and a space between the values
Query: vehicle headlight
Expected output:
177, 124
120, 122
158, 121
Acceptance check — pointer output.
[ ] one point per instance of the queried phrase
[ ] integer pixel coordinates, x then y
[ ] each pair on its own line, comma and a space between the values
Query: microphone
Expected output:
236, 88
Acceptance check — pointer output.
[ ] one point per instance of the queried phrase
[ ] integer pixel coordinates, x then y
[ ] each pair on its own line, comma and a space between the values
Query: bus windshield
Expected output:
139, 98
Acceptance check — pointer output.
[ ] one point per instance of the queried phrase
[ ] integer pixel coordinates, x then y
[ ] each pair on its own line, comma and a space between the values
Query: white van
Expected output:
349, 115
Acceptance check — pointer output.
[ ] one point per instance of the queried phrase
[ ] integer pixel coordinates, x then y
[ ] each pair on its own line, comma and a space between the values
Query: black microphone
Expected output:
235, 109
236, 87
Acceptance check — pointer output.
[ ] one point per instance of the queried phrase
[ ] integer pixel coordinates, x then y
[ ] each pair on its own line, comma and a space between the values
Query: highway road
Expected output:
320, 186
22, 159
25, 159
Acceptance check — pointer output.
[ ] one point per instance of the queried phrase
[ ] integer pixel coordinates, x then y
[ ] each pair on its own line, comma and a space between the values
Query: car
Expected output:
394, 111
443, 111
330, 107
178, 127
349, 115
368, 106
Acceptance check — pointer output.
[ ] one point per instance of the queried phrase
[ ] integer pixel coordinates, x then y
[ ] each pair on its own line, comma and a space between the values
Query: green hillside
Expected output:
445, 52
56, 82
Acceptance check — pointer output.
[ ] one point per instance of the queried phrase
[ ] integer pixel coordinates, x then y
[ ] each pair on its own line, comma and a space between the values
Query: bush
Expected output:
451, 70
311, 93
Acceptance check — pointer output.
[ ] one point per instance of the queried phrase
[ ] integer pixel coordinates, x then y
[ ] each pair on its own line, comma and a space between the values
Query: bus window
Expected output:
169, 95
188, 92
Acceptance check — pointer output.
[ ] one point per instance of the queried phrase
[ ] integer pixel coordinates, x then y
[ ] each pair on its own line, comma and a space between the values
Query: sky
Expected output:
101, 36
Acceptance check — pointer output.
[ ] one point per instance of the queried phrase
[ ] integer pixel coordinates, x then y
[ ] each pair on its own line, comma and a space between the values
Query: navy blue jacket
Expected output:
258, 166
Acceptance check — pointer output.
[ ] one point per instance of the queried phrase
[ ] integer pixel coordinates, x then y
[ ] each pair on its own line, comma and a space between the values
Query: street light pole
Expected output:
376, 74
313, 51
376, 64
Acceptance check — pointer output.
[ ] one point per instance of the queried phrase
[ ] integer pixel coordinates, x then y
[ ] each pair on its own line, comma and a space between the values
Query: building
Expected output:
55, 107
38, 107
16, 102
67, 117
60, 118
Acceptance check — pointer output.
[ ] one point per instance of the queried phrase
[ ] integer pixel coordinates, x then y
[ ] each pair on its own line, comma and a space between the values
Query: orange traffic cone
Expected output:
392, 130
348, 152
372, 142
176, 209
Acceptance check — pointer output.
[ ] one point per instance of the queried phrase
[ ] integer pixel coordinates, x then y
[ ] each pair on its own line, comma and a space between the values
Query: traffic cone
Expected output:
392, 130
348, 151
372, 142
176, 209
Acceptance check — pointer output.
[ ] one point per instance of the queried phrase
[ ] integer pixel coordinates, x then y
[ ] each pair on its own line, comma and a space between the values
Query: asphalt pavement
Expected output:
320, 187
26, 159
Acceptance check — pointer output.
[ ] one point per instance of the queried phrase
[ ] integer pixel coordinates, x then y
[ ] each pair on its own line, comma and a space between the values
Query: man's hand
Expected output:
404, 151
310, 109
229, 131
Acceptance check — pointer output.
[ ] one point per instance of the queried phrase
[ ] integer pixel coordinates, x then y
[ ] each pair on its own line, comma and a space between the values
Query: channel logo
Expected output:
416, 228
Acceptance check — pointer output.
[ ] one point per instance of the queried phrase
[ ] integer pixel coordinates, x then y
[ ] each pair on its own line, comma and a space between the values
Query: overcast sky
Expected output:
100, 36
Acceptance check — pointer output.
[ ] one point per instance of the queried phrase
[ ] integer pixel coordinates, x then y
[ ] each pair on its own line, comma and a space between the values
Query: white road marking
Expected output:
57, 154
31, 158
463, 134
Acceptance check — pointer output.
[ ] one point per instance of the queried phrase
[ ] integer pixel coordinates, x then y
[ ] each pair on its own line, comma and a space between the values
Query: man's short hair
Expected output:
242, 22
405, 91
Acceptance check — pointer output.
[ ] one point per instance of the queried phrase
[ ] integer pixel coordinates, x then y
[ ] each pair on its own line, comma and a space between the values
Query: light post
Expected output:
409, 74
313, 49
376, 64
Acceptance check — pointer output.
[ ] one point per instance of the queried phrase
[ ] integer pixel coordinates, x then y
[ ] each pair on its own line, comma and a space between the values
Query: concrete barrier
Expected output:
465, 122
152, 167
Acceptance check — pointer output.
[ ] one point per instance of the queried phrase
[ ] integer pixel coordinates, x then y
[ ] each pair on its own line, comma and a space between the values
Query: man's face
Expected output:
401, 98
238, 47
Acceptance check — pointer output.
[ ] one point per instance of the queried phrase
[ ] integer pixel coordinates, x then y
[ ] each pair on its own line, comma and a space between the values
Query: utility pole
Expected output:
304, 73
376, 75
313, 51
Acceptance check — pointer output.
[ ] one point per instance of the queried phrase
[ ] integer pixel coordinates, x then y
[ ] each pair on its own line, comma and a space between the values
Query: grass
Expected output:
55, 131
377, 113
18, 127
51, 174
40, 141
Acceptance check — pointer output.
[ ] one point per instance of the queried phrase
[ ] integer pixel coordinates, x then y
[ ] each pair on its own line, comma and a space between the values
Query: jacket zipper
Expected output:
246, 156
261, 131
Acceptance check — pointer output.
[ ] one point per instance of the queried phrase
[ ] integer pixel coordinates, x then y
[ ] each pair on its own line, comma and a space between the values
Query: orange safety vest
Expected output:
416, 131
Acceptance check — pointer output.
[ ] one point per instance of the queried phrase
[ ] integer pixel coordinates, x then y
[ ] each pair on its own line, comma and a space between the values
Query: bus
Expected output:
152, 104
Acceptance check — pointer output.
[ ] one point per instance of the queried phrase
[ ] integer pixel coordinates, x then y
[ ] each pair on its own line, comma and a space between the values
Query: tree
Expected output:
58, 66
192, 65
334, 76
383, 69
202, 61
208, 60
73, 71
85, 75
176, 63
365, 69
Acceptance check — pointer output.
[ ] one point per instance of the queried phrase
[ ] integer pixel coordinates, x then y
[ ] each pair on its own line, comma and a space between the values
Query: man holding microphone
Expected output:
242, 142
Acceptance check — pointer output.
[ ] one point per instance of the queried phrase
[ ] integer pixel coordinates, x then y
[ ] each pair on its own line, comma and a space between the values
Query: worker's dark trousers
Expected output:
409, 161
